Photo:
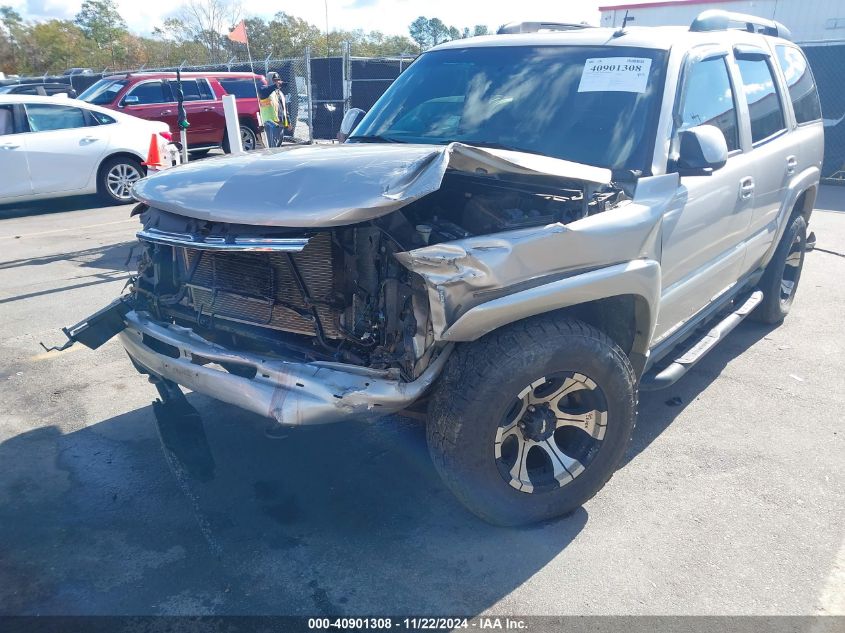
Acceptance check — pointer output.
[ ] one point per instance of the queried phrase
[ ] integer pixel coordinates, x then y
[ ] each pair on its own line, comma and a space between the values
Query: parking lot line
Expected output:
71, 228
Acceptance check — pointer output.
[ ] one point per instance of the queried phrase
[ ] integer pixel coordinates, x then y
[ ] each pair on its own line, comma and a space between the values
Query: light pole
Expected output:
326, 3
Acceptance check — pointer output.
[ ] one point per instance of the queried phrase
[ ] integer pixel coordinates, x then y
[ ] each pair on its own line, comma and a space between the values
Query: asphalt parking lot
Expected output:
730, 499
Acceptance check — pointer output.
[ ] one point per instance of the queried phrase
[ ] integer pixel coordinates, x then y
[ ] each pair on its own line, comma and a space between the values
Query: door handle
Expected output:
208, 109
165, 112
791, 164
9, 146
746, 188
89, 139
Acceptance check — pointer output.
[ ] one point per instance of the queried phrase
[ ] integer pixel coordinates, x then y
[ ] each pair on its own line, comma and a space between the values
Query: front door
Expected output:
63, 150
703, 234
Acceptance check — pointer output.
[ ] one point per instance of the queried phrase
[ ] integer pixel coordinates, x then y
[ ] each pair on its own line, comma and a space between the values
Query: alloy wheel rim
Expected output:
551, 433
247, 139
791, 270
120, 179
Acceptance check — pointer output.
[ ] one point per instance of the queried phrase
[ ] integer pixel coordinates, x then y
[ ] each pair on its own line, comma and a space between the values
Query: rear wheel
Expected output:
531, 421
116, 177
248, 139
780, 281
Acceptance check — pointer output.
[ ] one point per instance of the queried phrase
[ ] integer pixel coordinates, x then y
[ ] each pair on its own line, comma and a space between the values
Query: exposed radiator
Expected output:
261, 288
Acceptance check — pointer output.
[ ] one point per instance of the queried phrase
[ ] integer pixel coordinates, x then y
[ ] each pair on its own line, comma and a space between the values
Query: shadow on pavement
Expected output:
340, 519
659, 408
50, 205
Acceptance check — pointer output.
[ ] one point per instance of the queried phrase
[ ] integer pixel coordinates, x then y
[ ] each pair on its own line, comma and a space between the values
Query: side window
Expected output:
802, 87
241, 88
43, 117
7, 121
205, 90
189, 88
764, 105
151, 92
709, 100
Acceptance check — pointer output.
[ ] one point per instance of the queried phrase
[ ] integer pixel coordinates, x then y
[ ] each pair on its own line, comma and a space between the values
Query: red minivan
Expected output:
152, 96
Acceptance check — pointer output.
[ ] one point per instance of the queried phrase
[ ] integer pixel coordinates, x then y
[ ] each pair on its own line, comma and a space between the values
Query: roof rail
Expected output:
536, 27
717, 20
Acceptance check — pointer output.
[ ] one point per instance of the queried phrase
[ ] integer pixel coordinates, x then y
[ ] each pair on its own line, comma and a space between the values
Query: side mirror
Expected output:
702, 150
130, 100
350, 121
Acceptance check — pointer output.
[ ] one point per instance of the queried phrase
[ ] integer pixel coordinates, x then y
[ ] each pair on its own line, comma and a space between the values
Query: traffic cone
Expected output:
154, 160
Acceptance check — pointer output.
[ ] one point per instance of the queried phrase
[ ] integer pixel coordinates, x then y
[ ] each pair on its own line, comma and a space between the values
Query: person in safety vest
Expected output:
274, 110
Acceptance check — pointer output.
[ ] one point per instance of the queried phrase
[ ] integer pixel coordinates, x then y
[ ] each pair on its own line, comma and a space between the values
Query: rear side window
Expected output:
44, 117
709, 100
241, 88
100, 118
802, 87
764, 104
205, 89
151, 92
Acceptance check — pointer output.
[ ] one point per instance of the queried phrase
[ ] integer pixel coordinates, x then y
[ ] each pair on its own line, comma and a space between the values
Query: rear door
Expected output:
14, 168
773, 149
64, 146
204, 112
703, 237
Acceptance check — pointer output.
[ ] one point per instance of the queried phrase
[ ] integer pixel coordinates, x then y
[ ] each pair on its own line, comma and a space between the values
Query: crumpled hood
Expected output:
331, 185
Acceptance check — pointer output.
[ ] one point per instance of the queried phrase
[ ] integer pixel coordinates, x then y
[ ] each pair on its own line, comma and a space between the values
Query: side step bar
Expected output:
676, 370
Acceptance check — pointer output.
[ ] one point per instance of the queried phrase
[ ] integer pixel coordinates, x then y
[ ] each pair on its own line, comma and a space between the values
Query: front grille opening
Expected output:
238, 369
160, 347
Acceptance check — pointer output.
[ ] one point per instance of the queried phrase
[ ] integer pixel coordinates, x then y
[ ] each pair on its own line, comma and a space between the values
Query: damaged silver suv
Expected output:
525, 230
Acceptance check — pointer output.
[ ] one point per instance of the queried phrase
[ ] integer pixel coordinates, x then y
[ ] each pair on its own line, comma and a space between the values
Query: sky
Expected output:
389, 16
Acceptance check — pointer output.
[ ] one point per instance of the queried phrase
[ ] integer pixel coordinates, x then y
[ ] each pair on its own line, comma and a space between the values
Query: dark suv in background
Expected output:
44, 90
152, 96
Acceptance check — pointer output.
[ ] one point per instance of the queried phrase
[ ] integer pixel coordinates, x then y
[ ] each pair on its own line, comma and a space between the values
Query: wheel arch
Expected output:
621, 300
120, 154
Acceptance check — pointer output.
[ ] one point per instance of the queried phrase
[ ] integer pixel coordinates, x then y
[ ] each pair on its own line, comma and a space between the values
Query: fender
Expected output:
640, 278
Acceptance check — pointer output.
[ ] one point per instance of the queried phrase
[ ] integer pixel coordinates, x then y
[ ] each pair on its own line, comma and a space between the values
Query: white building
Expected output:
809, 20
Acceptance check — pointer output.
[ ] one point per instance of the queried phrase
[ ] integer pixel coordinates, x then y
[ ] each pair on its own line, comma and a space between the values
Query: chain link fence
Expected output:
827, 59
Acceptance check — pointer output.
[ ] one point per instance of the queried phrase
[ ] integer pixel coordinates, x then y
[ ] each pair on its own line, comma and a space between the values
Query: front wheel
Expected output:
529, 422
116, 177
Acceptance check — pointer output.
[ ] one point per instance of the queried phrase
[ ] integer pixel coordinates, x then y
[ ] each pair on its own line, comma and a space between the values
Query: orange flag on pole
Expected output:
238, 34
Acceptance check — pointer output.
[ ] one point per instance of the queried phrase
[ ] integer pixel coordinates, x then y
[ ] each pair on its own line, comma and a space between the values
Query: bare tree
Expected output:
208, 21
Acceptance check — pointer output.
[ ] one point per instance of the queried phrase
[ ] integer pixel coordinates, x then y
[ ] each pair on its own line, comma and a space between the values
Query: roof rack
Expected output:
717, 20
536, 27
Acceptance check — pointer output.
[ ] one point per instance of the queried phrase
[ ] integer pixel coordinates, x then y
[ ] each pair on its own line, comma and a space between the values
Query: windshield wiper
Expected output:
374, 138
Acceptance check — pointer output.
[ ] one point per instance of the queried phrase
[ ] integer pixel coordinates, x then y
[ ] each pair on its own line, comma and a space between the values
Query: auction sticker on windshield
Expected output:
615, 74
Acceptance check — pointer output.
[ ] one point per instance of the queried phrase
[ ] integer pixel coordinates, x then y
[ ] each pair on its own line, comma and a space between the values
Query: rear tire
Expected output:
116, 177
780, 280
516, 387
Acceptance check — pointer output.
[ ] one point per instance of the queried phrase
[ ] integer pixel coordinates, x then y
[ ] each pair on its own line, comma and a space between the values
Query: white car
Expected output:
53, 147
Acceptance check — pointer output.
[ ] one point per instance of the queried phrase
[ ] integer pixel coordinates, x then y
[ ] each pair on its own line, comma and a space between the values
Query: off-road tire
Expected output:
774, 308
477, 388
104, 191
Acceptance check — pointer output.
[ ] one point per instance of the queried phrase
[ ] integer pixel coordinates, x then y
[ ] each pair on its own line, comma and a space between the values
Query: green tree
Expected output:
11, 27
207, 22
420, 33
480, 29
102, 23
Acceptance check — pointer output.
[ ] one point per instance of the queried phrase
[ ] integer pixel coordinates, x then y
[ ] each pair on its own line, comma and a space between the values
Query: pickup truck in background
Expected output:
152, 96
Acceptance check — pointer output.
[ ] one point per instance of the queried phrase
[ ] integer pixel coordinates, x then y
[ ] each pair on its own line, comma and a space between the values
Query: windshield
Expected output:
593, 105
103, 92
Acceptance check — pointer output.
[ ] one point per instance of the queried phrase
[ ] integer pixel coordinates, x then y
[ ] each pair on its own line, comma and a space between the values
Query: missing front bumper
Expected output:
293, 393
